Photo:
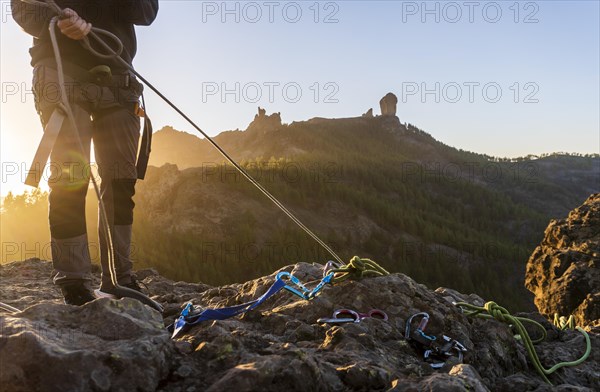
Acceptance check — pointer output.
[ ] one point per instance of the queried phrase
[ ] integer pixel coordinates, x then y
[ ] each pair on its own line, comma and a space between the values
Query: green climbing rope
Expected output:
499, 313
356, 269
563, 323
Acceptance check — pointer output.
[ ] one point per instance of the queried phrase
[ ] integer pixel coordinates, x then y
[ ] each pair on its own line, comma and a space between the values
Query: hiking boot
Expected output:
110, 292
76, 293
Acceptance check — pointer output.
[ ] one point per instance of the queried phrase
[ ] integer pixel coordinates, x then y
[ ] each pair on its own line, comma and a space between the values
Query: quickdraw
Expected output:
301, 290
190, 315
435, 352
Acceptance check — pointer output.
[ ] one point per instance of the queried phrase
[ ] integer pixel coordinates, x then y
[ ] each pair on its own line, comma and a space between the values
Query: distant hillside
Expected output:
370, 186
552, 184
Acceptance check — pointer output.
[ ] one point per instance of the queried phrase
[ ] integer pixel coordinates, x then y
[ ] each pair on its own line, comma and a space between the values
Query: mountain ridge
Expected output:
368, 185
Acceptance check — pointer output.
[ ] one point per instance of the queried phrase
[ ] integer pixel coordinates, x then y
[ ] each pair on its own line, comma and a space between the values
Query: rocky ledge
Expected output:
122, 345
564, 270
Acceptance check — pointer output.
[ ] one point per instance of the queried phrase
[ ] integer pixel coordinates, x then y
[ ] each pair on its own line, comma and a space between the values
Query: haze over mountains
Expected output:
368, 185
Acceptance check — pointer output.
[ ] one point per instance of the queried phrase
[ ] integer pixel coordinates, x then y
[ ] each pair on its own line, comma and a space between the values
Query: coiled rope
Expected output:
356, 269
495, 311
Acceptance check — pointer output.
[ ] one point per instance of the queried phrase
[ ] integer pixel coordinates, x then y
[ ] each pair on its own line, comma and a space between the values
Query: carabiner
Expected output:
420, 328
326, 279
302, 294
331, 265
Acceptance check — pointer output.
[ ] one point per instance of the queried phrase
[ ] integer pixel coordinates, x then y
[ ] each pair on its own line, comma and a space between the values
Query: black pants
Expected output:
105, 116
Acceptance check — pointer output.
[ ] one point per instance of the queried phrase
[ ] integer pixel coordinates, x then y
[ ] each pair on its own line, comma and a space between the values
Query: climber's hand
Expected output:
72, 25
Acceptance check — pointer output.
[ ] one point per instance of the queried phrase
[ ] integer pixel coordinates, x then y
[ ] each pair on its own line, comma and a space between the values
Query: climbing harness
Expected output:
51, 131
356, 269
435, 352
190, 316
342, 316
492, 310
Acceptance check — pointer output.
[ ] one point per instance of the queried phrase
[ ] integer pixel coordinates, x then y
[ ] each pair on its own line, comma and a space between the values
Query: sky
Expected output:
503, 78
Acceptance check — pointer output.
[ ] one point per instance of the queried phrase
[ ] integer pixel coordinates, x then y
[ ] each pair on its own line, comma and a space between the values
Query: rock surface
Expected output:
265, 123
564, 270
388, 104
121, 345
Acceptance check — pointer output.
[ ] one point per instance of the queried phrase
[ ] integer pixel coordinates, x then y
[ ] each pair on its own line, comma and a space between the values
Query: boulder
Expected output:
563, 272
105, 345
388, 104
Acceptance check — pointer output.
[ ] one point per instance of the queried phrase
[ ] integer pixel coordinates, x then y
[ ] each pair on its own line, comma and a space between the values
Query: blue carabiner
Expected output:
302, 294
326, 280
186, 310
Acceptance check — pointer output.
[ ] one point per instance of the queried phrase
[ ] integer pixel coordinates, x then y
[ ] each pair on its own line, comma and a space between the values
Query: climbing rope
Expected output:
94, 35
356, 269
494, 311
8, 308
563, 323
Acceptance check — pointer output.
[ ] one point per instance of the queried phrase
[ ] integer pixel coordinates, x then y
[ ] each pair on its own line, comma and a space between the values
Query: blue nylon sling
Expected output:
185, 320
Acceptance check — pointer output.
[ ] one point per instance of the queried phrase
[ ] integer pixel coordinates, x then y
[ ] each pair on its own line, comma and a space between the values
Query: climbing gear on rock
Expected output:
492, 310
342, 316
435, 352
283, 280
330, 265
189, 316
356, 269
51, 131
302, 291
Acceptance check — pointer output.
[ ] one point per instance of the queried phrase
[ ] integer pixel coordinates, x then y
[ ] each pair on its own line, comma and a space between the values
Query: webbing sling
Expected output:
185, 320
51, 131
